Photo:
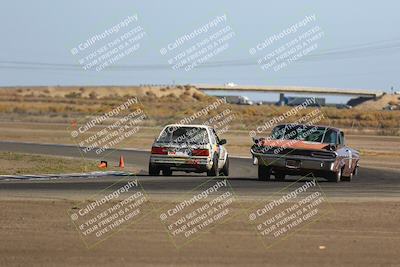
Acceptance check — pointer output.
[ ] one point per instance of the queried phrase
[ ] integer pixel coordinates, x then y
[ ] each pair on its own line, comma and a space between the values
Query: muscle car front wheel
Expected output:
279, 176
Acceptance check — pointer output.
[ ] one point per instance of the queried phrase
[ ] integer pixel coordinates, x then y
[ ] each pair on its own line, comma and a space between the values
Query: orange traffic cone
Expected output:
121, 162
102, 165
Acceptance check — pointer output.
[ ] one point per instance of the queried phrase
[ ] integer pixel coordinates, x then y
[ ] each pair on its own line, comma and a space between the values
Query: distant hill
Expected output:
98, 92
375, 104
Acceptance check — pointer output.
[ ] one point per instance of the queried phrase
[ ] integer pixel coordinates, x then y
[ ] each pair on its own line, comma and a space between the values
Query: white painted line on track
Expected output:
64, 175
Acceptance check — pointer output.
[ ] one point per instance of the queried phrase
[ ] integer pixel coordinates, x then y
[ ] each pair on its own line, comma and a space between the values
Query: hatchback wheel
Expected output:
153, 171
167, 172
225, 169
214, 170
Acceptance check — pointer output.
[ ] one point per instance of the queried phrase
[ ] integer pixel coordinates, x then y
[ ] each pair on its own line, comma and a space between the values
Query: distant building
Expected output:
295, 101
237, 99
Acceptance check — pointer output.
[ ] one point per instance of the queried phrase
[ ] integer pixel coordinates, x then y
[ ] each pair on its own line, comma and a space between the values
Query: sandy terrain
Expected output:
39, 232
36, 229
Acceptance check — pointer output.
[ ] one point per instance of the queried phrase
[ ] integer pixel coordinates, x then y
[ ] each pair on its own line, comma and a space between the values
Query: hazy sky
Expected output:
360, 47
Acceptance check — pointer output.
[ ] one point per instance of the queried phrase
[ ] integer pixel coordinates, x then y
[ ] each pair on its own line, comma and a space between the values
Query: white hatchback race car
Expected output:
189, 148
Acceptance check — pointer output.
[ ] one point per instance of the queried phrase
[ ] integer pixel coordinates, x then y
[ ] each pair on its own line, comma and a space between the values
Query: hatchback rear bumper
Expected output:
200, 164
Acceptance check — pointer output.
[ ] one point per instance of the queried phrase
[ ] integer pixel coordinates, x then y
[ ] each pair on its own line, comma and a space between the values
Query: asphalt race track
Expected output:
370, 183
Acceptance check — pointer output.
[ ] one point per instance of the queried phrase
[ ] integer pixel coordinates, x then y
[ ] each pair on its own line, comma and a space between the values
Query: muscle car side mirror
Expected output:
258, 140
222, 142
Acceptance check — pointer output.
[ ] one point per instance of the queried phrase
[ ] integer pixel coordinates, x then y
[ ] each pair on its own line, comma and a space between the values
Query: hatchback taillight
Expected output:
159, 150
200, 152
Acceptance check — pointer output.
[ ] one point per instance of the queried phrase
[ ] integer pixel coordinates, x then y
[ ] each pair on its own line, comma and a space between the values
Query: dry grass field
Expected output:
20, 163
168, 105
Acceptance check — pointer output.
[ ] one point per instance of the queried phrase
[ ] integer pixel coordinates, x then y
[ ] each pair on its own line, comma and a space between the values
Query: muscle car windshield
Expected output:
304, 133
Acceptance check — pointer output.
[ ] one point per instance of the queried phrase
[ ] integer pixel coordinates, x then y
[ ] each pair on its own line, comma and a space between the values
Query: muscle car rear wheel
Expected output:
355, 172
336, 176
264, 172
280, 176
348, 178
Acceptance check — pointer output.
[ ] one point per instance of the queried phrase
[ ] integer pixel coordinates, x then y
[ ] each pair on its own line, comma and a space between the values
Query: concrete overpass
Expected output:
290, 89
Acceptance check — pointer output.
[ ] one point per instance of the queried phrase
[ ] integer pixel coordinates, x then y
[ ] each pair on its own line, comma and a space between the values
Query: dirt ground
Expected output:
40, 232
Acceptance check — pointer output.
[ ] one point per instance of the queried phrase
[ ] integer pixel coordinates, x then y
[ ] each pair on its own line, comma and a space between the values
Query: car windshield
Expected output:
299, 132
188, 135
330, 137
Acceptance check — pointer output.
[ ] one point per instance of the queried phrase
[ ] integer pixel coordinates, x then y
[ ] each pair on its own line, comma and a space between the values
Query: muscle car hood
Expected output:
293, 144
